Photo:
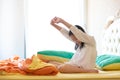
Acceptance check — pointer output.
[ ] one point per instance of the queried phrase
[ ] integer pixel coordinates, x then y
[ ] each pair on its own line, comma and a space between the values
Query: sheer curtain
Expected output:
40, 35
12, 28
25, 25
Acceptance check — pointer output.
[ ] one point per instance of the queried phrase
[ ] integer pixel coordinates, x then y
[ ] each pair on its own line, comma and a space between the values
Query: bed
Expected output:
111, 45
109, 75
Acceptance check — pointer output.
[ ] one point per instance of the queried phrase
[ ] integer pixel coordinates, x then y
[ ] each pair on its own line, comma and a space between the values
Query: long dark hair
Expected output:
82, 43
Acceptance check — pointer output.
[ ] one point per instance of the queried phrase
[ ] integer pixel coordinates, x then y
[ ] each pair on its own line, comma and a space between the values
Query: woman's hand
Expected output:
56, 20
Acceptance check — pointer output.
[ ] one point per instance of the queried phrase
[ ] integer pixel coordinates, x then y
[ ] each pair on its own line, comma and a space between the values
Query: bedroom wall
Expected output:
97, 13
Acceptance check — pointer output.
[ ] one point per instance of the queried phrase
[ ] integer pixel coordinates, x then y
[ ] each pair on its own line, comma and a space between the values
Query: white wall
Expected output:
11, 28
97, 13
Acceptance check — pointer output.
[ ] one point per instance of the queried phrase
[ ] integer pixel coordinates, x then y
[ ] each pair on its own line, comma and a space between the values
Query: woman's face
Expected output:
75, 39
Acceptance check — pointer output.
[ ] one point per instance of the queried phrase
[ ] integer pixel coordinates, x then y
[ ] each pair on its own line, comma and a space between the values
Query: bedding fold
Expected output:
36, 66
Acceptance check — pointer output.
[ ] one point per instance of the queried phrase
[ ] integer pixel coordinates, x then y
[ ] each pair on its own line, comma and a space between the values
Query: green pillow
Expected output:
108, 62
55, 55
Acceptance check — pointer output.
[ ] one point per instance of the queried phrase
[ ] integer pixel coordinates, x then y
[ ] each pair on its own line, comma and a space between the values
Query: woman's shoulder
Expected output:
92, 40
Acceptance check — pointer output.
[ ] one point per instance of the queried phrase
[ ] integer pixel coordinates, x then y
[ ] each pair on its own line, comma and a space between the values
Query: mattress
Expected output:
102, 75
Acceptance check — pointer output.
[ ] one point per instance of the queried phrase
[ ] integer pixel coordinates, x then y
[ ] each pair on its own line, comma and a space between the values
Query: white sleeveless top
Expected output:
85, 57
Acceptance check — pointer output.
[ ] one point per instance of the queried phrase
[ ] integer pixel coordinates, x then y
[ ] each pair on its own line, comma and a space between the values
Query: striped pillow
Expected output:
108, 62
59, 56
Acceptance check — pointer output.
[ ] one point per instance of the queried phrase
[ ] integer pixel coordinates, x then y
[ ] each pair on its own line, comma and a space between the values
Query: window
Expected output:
40, 35
11, 28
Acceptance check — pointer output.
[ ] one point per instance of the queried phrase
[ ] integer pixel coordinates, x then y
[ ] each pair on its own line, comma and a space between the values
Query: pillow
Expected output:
59, 56
108, 62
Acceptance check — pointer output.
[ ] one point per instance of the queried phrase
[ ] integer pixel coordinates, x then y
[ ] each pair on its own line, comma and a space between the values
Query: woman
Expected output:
84, 59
